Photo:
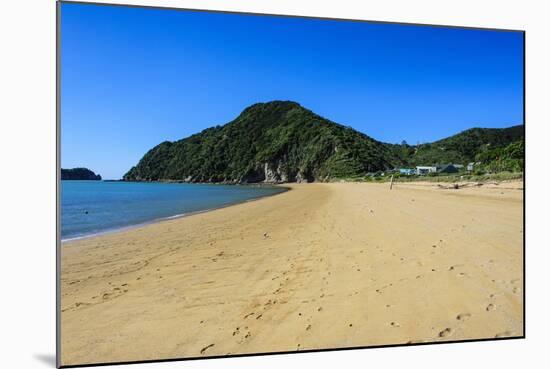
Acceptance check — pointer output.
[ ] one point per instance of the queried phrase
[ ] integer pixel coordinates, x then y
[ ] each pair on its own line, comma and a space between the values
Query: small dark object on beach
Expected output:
203, 350
454, 186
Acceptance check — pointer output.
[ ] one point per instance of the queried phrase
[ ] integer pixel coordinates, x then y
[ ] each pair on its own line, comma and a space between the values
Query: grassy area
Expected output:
455, 177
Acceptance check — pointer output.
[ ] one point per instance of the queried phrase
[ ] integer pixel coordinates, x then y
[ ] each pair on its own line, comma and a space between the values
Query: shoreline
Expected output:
325, 265
65, 241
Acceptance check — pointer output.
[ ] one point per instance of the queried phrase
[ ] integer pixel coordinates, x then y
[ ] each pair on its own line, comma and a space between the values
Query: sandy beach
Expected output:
319, 266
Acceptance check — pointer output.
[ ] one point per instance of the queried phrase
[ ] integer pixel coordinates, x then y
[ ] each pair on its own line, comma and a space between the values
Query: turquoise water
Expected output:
90, 207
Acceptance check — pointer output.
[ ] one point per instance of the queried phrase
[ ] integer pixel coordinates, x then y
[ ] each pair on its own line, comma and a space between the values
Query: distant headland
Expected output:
83, 174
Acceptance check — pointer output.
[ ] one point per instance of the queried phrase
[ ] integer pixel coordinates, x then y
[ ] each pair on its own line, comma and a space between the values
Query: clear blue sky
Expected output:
133, 77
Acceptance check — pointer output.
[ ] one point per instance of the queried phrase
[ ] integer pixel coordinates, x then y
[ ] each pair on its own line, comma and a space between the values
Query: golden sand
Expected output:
320, 266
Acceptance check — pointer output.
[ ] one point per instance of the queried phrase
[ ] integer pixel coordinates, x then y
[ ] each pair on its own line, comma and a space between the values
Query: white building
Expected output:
420, 170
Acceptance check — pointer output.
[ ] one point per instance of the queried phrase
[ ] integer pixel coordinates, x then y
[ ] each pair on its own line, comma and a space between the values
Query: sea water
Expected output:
92, 207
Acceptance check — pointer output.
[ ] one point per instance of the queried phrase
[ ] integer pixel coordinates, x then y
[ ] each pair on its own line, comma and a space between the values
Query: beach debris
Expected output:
454, 186
203, 350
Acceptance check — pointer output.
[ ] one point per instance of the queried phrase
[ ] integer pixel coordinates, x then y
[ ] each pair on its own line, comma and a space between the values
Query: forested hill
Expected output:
281, 141
79, 174
464, 146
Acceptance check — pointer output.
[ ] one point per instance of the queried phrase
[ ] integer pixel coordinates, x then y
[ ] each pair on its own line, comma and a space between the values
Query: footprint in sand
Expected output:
463, 316
490, 307
395, 324
445, 333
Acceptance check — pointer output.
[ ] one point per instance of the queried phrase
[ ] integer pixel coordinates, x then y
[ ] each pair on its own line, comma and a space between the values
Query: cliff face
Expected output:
279, 141
79, 174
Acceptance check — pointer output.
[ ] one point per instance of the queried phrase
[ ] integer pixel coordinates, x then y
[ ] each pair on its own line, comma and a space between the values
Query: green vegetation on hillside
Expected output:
503, 159
281, 141
79, 174
278, 141
463, 147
